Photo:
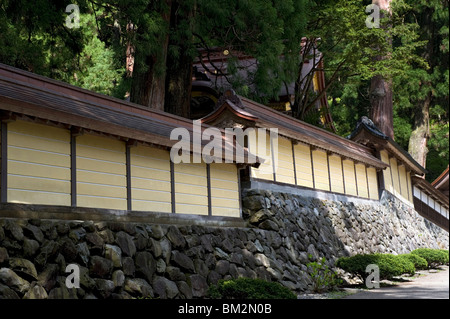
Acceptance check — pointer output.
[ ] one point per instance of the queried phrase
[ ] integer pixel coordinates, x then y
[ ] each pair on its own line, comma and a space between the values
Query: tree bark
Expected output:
148, 84
381, 98
419, 137
179, 70
381, 105
178, 88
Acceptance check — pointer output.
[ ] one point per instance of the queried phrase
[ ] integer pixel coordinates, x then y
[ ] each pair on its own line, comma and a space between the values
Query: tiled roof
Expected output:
26, 94
263, 116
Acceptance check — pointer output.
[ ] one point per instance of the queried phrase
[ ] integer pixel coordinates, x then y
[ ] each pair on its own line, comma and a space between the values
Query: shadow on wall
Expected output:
331, 229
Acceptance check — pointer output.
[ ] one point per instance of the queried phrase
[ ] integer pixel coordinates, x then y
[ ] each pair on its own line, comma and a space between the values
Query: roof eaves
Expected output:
33, 95
430, 190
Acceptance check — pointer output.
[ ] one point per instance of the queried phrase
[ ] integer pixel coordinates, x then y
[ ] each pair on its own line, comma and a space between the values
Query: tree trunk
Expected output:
147, 87
381, 103
179, 69
421, 133
148, 83
178, 87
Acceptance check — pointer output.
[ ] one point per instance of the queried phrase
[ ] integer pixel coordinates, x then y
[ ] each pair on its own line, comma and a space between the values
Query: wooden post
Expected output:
4, 162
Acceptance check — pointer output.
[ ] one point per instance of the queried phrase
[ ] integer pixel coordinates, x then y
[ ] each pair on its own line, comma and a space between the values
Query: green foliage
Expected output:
247, 288
259, 28
438, 148
419, 262
434, 257
389, 265
417, 65
97, 70
34, 37
322, 276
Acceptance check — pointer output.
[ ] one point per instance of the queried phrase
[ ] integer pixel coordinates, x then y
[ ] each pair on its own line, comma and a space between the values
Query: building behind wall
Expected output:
65, 146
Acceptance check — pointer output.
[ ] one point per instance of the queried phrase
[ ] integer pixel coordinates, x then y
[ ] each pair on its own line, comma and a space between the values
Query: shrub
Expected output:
405, 264
445, 251
419, 262
434, 257
247, 288
322, 276
389, 265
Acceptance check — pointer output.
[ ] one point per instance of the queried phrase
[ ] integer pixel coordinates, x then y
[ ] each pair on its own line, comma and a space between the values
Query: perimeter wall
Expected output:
130, 259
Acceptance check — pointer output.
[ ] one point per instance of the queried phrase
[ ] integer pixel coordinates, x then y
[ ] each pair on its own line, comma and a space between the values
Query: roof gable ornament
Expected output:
369, 125
366, 132
230, 95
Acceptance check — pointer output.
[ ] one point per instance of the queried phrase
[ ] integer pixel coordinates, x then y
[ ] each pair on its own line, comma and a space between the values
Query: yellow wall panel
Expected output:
191, 169
152, 195
321, 170
152, 206
285, 158
337, 180
37, 198
95, 177
101, 143
303, 168
38, 157
144, 183
39, 184
285, 163
150, 174
101, 166
361, 180
222, 184
285, 176
155, 153
38, 164
265, 170
37, 170
189, 179
373, 183
150, 162
222, 175
102, 202
191, 209
150, 179
224, 193
227, 168
394, 171
349, 177
191, 192
410, 189
225, 199
101, 190
224, 202
387, 172
101, 172
37, 143
39, 130
403, 182
183, 188
225, 211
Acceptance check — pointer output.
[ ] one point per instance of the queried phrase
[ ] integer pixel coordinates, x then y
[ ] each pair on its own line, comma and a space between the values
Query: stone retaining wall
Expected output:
126, 260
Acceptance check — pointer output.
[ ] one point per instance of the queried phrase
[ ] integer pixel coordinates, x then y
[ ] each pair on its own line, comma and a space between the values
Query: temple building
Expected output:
62, 146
